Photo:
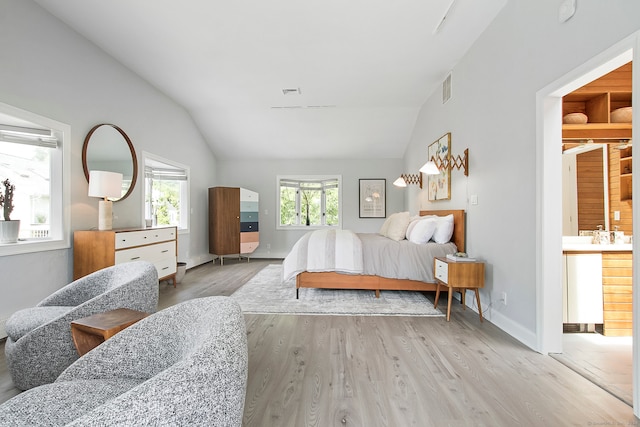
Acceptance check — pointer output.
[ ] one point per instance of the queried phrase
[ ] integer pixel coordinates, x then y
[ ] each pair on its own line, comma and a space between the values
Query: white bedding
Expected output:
325, 250
343, 251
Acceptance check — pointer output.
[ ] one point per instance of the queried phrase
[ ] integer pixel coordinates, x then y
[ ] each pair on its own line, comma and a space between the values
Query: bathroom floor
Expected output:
605, 361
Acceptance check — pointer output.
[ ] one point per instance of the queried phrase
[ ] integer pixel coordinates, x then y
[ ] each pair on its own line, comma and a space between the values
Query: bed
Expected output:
370, 279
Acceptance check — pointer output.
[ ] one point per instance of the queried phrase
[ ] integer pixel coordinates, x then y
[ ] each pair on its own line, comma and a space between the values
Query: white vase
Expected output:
9, 231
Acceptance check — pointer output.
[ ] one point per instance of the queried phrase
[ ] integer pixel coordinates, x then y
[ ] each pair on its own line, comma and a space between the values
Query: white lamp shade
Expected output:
105, 184
430, 168
400, 182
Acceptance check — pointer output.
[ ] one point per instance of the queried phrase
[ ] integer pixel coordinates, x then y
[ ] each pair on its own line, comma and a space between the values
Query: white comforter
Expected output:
325, 250
366, 253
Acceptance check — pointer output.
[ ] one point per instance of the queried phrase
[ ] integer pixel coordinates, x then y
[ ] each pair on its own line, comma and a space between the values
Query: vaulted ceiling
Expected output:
289, 78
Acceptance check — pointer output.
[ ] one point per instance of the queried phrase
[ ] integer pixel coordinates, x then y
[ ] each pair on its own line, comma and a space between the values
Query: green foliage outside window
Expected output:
167, 204
301, 202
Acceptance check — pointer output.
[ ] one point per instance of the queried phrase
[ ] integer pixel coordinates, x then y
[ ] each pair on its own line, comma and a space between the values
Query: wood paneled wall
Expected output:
615, 204
589, 170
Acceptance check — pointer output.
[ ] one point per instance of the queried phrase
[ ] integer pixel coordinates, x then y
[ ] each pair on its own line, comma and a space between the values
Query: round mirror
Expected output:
107, 148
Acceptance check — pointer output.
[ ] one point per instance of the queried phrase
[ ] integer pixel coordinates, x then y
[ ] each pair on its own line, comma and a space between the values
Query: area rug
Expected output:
266, 293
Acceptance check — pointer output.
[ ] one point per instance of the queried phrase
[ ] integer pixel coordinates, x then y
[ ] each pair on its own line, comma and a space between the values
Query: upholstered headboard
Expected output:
458, 225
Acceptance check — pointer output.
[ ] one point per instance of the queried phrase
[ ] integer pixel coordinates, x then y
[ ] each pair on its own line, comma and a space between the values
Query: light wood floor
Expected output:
393, 371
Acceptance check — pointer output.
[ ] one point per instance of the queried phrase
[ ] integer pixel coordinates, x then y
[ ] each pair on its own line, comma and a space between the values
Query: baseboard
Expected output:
516, 330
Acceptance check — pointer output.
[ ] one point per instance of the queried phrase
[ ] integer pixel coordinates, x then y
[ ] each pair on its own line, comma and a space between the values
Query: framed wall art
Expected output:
439, 186
373, 198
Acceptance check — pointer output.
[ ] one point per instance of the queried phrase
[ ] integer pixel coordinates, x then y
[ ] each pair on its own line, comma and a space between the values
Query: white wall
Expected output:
493, 113
52, 71
260, 176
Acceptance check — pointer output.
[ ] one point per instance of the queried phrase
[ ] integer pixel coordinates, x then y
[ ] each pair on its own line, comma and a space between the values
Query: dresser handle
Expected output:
165, 251
135, 257
165, 268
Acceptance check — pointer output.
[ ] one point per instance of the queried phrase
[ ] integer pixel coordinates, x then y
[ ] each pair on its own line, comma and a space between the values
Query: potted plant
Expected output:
8, 228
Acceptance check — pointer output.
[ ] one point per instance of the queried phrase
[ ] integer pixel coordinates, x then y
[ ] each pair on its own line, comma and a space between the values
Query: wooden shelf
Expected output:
597, 100
597, 131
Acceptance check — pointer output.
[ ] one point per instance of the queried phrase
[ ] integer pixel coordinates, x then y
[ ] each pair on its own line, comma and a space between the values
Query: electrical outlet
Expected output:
503, 298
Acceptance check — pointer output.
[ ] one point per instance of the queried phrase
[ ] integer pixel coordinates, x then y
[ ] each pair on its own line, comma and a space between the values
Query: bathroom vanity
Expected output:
597, 284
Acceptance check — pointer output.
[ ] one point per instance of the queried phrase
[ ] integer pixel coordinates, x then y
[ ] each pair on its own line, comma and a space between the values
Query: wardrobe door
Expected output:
224, 220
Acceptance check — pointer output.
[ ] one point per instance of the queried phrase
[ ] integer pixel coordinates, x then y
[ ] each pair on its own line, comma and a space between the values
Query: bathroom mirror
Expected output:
585, 183
108, 148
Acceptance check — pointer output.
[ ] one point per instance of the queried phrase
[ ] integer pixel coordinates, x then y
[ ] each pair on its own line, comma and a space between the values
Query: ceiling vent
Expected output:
446, 89
289, 91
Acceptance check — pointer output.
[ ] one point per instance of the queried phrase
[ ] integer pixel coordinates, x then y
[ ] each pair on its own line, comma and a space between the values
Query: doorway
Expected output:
549, 198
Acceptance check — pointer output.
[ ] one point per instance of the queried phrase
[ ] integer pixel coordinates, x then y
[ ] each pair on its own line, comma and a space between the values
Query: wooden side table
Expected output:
460, 275
89, 332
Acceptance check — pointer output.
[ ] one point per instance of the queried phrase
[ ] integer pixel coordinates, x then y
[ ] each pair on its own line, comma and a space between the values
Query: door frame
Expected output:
549, 197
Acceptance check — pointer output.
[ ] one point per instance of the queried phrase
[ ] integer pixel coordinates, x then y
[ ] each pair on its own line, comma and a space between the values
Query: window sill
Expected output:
30, 246
305, 227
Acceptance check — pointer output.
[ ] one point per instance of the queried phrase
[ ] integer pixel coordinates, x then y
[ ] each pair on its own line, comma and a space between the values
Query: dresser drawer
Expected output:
150, 253
249, 237
248, 216
247, 227
248, 195
129, 239
441, 271
166, 267
248, 247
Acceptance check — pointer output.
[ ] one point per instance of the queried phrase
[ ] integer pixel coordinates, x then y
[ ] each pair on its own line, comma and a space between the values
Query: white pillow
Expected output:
385, 226
398, 226
412, 223
423, 231
444, 229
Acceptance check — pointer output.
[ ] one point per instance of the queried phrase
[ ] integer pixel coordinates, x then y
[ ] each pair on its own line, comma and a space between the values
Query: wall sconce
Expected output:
405, 179
438, 164
105, 184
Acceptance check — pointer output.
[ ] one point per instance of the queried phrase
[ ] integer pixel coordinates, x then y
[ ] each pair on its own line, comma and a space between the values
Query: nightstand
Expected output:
458, 275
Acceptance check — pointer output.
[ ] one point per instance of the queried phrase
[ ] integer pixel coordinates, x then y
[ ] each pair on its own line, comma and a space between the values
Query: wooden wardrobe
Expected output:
233, 221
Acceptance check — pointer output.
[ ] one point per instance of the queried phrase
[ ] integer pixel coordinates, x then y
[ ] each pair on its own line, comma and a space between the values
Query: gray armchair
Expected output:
185, 365
39, 344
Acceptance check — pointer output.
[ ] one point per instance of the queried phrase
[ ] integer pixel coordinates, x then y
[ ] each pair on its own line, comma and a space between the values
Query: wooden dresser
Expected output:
94, 250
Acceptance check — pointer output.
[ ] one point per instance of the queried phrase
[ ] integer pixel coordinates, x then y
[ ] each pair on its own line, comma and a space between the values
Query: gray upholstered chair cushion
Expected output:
185, 365
41, 354
24, 321
35, 407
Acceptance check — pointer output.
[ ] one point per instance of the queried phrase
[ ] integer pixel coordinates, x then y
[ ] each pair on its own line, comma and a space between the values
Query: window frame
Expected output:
279, 178
60, 221
183, 204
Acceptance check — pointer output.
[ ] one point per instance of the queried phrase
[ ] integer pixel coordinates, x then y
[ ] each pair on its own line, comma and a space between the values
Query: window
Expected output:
166, 192
309, 201
34, 154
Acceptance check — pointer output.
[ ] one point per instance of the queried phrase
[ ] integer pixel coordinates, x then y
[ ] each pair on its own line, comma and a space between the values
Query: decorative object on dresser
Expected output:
93, 249
105, 185
39, 344
233, 221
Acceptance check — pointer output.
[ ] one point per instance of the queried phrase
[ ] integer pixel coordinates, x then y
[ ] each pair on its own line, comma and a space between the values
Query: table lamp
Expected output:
105, 184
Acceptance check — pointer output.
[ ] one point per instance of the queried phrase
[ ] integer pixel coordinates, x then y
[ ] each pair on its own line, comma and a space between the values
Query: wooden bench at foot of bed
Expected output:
332, 280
